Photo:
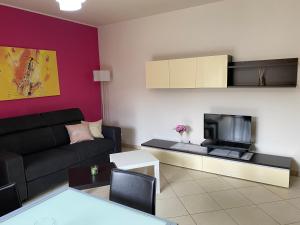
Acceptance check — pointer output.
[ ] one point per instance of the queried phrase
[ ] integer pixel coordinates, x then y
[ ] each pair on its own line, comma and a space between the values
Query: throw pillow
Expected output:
95, 128
79, 133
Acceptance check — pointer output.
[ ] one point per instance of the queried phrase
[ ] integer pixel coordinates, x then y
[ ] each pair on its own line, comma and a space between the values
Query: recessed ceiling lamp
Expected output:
70, 5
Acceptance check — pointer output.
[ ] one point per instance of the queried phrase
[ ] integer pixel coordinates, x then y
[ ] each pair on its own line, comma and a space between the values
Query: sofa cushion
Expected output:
95, 128
29, 141
79, 133
89, 149
44, 163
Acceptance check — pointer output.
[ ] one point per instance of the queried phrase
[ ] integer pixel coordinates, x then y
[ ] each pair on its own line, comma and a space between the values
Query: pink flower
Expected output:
181, 128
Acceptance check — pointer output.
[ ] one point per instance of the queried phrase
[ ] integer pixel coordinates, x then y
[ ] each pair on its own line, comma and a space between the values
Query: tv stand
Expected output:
263, 168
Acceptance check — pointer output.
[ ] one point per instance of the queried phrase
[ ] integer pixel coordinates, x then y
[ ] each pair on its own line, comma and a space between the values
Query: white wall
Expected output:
248, 30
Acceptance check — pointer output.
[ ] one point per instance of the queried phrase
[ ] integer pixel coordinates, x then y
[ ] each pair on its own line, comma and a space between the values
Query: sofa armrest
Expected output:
12, 171
113, 133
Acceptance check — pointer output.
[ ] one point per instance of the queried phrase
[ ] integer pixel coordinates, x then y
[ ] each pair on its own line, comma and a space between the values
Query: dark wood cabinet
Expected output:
263, 73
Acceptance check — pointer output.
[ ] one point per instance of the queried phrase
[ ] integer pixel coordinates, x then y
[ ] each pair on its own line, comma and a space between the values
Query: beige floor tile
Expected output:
295, 182
284, 193
201, 175
259, 194
175, 174
183, 188
251, 215
239, 183
213, 218
199, 203
282, 211
295, 202
163, 181
183, 220
100, 192
170, 207
176, 177
214, 184
166, 192
230, 199
165, 169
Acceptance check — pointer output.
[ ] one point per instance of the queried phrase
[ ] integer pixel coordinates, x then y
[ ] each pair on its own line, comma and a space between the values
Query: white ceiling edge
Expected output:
45, 14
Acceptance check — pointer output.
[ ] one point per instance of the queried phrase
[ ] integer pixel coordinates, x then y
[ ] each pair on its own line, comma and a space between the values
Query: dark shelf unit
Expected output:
263, 73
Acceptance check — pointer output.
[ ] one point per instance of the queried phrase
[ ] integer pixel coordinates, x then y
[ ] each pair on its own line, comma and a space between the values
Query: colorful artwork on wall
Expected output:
27, 73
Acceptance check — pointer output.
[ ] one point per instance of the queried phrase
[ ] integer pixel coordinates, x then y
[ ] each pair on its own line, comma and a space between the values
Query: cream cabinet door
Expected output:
181, 159
183, 73
212, 72
157, 74
258, 173
253, 172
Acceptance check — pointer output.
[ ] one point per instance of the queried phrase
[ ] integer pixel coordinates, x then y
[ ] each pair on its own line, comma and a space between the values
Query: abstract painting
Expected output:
27, 73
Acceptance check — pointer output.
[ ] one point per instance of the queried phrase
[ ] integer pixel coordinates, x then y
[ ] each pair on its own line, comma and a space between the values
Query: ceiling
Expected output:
101, 12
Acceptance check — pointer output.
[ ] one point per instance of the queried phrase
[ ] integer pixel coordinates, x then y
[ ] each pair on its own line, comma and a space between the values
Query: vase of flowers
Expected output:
182, 130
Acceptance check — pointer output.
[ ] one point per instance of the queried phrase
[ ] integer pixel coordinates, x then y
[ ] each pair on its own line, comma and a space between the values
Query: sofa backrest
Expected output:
57, 121
33, 133
22, 123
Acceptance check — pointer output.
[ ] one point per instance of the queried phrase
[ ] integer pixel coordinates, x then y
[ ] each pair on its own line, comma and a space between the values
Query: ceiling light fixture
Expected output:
70, 5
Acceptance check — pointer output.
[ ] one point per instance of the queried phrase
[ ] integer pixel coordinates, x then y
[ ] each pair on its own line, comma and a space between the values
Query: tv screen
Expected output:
228, 128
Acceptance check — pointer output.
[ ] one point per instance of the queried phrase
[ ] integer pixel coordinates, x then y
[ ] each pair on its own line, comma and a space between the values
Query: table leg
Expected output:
157, 176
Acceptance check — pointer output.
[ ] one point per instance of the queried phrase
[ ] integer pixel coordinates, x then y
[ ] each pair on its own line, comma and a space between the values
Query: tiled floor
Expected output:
190, 197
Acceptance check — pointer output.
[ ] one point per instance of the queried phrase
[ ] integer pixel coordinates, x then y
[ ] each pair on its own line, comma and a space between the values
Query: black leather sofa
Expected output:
35, 150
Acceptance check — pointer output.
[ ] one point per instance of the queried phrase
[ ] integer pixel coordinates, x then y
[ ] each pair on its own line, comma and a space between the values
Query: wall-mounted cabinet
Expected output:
183, 73
198, 72
157, 74
220, 72
212, 71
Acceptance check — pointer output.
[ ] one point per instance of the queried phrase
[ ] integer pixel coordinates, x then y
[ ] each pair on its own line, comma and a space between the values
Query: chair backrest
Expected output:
134, 190
9, 199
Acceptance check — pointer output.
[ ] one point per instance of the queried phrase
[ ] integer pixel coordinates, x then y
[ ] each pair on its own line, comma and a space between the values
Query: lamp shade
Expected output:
101, 75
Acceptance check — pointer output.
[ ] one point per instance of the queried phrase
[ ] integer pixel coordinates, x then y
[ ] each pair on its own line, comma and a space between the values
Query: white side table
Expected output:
137, 159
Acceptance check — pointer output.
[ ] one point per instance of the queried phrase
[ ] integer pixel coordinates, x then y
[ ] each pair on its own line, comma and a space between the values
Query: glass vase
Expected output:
184, 138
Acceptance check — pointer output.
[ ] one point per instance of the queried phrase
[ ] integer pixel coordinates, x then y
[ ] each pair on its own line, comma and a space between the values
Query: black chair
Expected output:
134, 190
9, 199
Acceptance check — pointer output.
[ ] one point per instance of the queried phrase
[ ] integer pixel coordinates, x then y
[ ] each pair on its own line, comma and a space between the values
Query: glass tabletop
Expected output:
72, 207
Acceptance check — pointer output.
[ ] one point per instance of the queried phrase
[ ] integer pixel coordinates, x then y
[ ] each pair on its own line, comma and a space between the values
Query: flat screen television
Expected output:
228, 128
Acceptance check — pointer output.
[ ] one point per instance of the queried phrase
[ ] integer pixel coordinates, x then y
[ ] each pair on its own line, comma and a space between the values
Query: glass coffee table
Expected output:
73, 207
80, 177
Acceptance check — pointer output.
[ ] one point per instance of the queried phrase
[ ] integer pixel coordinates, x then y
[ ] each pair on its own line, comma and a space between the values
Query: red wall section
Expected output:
77, 51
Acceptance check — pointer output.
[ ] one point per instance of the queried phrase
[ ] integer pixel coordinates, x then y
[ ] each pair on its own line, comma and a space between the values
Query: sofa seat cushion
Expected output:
88, 149
44, 163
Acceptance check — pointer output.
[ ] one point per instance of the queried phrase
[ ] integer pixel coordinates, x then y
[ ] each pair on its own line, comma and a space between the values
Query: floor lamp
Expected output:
102, 76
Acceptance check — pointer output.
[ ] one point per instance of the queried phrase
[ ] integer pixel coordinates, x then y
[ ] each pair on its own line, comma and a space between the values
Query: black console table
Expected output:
269, 169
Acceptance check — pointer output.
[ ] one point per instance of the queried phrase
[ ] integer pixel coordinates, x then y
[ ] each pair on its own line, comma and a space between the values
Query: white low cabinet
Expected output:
243, 170
181, 159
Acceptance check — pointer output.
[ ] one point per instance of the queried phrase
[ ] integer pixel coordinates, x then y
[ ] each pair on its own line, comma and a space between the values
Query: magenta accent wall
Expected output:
77, 51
